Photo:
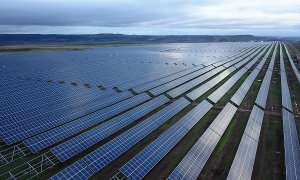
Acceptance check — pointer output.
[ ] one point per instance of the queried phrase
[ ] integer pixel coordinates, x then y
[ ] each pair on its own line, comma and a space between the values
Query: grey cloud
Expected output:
124, 16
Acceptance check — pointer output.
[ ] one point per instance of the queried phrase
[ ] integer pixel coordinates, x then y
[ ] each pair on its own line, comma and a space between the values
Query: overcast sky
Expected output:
257, 17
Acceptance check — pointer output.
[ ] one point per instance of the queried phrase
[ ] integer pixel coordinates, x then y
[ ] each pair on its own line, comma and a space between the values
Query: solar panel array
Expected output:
143, 162
296, 71
187, 86
291, 142
291, 146
262, 96
243, 162
241, 92
66, 130
195, 94
221, 91
79, 170
81, 142
111, 150
192, 164
90, 128
285, 93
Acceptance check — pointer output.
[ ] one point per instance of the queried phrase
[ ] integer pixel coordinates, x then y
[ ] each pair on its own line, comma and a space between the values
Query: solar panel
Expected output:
285, 93
83, 141
221, 122
272, 62
78, 170
194, 161
295, 69
281, 59
120, 144
34, 113
262, 96
143, 162
242, 60
189, 85
219, 93
141, 86
243, 162
57, 134
159, 82
291, 146
254, 123
238, 97
256, 55
23, 108
171, 85
42, 124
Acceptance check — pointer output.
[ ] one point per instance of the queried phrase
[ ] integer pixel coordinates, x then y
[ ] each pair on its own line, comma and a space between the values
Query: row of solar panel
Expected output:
13, 131
155, 84
194, 161
243, 162
295, 69
34, 119
30, 109
262, 96
291, 142
215, 96
285, 93
203, 88
81, 142
192, 164
68, 70
71, 128
291, 146
154, 74
142, 163
37, 93
110, 152
32, 123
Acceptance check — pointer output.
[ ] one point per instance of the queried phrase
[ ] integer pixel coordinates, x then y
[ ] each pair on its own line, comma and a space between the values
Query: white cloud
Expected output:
152, 17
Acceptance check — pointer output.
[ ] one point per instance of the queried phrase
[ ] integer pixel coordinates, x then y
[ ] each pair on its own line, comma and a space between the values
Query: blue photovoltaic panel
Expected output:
285, 93
77, 171
194, 161
143, 162
177, 82
295, 69
111, 150
107, 153
196, 158
291, 146
196, 93
83, 141
187, 86
219, 93
243, 162
30, 129
159, 82
251, 63
57, 134
238, 97
262, 96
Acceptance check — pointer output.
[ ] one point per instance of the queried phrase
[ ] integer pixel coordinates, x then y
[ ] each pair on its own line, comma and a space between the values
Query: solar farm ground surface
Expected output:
165, 111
